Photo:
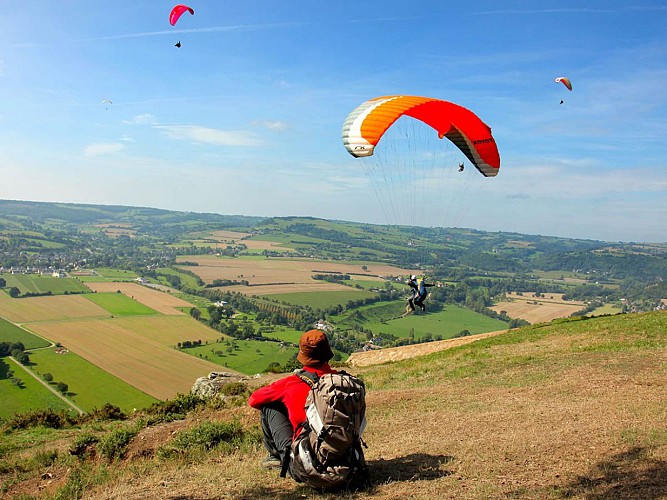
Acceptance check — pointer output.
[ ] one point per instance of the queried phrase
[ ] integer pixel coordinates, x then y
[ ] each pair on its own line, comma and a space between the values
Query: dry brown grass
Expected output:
548, 308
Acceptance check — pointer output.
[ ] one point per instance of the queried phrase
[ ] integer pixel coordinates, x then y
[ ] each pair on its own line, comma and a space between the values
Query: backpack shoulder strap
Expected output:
309, 378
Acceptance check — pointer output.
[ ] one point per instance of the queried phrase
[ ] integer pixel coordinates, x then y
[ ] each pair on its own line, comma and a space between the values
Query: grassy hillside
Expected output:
573, 409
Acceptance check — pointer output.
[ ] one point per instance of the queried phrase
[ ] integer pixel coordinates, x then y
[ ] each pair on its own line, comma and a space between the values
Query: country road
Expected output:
45, 384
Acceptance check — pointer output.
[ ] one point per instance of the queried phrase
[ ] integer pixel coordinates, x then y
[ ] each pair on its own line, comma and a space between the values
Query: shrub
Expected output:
176, 408
207, 436
107, 412
47, 418
82, 444
114, 444
235, 389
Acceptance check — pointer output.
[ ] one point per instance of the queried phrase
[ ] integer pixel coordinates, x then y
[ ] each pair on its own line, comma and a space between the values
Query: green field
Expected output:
443, 324
605, 309
9, 332
283, 333
108, 274
29, 283
89, 386
31, 396
321, 300
249, 356
119, 304
186, 279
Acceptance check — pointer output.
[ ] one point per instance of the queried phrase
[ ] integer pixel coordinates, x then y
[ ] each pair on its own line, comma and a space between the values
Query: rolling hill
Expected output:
571, 409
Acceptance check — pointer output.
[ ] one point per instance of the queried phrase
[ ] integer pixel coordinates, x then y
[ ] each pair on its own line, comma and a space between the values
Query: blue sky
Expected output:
245, 117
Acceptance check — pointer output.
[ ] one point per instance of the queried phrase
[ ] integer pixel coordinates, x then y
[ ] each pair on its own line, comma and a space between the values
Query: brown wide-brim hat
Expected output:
314, 348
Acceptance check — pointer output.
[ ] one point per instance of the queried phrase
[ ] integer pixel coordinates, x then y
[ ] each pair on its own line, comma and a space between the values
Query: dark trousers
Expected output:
276, 429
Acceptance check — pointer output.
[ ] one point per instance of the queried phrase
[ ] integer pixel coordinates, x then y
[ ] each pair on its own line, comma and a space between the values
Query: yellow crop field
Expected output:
49, 308
537, 309
138, 350
281, 270
161, 302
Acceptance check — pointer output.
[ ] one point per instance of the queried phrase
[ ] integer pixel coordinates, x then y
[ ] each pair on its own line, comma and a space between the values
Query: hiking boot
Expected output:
271, 462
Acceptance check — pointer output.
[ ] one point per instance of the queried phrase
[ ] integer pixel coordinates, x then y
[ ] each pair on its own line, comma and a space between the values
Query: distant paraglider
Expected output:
106, 103
565, 81
177, 12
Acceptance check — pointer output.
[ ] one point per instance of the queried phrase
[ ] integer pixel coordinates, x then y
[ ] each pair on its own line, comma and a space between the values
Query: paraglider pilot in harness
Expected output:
423, 293
414, 293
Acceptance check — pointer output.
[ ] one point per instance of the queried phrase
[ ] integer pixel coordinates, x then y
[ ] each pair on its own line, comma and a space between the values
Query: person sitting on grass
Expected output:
282, 403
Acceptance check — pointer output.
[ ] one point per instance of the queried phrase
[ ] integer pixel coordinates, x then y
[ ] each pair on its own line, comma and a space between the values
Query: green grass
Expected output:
29, 283
186, 279
250, 356
12, 333
89, 386
108, 274
445, 324
605, 309
283, 333
119, 304
32, 396
321, 300
492, 361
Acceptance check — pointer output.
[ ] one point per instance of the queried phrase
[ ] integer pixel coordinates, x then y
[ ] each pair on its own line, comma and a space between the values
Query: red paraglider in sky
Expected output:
178, 11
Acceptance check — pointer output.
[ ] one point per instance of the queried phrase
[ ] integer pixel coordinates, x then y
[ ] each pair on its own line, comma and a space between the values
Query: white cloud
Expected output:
143, 119
276, 126
207, 135
103, 148
127, 138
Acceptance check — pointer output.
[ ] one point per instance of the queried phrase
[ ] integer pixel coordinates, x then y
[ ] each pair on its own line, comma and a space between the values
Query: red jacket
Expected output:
291, 391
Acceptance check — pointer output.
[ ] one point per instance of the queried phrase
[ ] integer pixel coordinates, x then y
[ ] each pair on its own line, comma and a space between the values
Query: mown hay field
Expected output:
162, 302
138, 350
49, 308
537, 309
263, 271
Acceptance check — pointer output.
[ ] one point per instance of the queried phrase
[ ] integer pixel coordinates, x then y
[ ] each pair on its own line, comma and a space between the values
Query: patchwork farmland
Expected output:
138, 350
281, 275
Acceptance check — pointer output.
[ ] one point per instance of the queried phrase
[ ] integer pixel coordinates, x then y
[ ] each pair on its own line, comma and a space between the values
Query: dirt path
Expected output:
379, 356
33, 375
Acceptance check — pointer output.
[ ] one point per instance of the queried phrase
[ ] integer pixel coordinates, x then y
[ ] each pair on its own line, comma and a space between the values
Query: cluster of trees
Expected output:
16, 350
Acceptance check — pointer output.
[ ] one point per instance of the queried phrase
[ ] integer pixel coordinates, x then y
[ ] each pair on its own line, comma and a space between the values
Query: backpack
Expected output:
328, 454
